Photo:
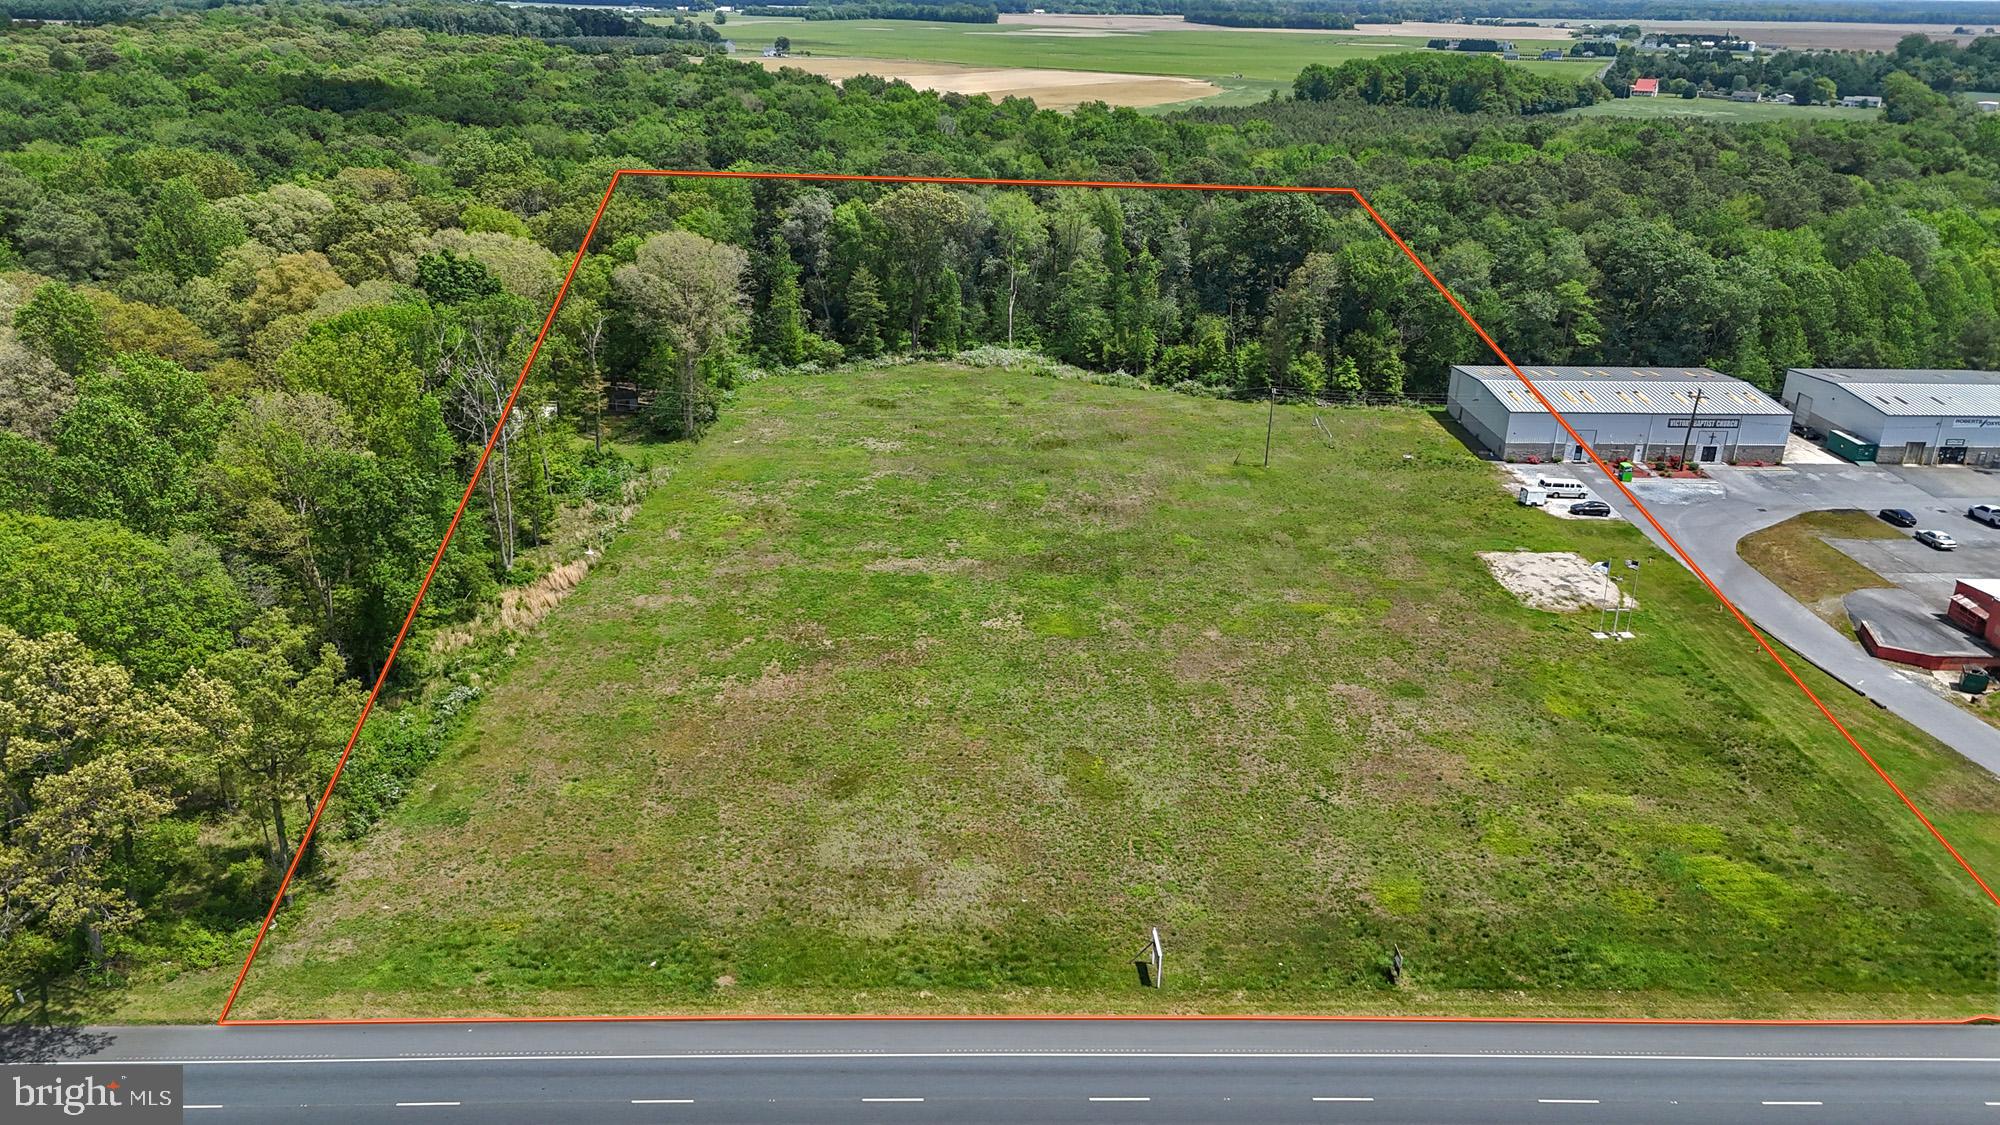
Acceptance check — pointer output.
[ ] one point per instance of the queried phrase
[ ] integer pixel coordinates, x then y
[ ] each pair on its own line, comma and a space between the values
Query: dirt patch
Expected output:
1559, 581
1050, 89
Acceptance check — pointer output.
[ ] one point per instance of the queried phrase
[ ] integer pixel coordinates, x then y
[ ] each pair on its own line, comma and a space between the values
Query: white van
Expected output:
1561, 488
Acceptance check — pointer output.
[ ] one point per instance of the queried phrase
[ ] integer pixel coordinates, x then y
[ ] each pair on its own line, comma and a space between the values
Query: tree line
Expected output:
1447, 82
267, 274
1820, 76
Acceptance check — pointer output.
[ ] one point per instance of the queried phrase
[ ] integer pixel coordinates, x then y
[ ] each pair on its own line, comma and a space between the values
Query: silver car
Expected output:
1937, 540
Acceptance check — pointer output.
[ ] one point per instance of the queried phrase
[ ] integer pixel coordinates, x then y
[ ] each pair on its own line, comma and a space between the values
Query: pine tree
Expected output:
865, 311
781, 330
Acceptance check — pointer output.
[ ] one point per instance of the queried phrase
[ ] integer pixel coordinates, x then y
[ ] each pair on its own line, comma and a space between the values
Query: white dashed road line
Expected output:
1121, 1099
413, 1105
662, 1101
1568, 1101
1343, 1099
1794, 1103
892, 1099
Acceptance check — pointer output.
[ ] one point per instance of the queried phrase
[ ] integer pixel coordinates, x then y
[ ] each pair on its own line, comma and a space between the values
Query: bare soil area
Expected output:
1558, 581
1050, 89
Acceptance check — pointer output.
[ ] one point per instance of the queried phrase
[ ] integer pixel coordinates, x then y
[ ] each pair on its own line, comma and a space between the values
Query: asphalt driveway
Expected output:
1707, 518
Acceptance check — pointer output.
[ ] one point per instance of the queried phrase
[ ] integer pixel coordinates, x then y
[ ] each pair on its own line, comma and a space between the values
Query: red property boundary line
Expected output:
534, 352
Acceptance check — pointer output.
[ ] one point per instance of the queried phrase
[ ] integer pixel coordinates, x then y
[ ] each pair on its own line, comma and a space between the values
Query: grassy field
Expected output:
1248, 65
1720, 110
928, 689
1795, 555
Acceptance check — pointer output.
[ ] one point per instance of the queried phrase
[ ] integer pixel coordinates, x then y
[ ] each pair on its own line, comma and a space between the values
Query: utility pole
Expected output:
1689, 436
1270, 420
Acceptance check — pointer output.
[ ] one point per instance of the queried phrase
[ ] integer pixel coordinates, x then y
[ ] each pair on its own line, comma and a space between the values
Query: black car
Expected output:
1901, 517
1590, 508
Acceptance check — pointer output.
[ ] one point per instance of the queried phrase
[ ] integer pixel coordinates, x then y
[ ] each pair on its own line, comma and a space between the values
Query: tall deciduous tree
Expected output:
688, 291
923, 221
83, 764
61, 325
186, 235
1022, 238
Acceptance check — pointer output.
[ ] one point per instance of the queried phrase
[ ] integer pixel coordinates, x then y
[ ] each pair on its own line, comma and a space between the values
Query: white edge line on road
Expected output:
851, 1056
1121, 1099
1794, 1103
1343, 1099
412, 1105
892, 1099
1575, 1101
218, 1105
662, 1101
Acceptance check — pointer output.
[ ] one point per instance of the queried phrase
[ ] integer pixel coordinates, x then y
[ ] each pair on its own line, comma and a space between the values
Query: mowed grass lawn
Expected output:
1718, 109
1272, 56
929, 689
1795, 554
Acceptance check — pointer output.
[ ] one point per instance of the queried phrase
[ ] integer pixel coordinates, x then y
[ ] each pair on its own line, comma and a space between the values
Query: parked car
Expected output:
1590, 508
1901, 517
1984, 513
1937, 540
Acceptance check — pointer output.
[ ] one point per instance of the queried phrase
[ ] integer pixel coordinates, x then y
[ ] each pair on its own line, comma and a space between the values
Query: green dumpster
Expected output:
1625, 471
1849, 446
1975, 680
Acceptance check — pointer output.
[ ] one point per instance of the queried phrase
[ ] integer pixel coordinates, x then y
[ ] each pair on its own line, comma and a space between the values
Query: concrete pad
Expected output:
1799, 451
1899, 619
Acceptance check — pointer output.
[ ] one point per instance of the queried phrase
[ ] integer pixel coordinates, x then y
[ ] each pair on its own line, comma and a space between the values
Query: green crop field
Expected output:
1219, 55
1718, 109
931, 689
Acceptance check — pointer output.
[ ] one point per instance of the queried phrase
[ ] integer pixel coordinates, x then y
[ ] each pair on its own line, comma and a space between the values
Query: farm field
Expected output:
1810, 34
1718, 109
930, 689
1246, 65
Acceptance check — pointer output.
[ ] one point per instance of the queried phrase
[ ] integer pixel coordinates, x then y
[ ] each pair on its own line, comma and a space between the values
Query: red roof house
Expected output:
1646, 88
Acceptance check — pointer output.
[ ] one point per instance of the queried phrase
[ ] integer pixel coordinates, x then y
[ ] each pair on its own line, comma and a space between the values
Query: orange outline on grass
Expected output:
535, 351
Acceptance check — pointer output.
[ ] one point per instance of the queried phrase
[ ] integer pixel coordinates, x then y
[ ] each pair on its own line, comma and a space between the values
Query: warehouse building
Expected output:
1908, 417
1625, 413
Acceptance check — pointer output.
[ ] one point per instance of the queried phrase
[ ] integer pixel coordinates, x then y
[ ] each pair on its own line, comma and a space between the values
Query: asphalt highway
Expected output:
1057, 1071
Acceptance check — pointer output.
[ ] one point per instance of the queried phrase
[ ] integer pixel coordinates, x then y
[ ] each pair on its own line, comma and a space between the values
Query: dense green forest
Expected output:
1446, 81
267, 272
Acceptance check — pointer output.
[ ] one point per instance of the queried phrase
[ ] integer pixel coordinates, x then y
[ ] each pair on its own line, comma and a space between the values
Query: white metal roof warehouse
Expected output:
1638, 413
1915, 417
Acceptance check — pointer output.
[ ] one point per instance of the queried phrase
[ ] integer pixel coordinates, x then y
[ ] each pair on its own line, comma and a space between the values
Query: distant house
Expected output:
1745, 96
1784, 99
1552, 54
1646, 88
1511, 55
1861, 101
1989, 107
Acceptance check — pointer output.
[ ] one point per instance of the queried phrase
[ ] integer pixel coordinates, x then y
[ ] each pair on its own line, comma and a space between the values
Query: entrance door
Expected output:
1576, 450
1951, 455
1913, 453
1708, 452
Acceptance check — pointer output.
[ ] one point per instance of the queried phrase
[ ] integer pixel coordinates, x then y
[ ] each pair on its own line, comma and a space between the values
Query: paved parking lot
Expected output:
1927, 573
1707, 518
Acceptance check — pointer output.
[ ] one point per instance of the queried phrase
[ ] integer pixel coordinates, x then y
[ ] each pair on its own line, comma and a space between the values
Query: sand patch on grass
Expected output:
1559, 581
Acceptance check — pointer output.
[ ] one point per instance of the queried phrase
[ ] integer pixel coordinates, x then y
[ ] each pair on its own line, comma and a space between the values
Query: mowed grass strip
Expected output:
930, 690
1795, 554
